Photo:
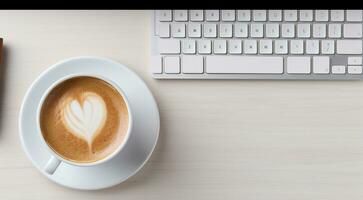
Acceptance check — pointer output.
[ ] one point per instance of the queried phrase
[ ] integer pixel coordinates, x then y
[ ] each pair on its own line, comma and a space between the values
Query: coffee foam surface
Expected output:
84, 119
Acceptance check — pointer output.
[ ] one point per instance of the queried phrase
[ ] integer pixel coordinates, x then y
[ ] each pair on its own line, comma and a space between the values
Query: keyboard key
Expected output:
259, 15
338, 69
321, 65
178, 30
319, 30
204, 46
250, 46
228, 15
281, 47
243, 15
180, 15
296, 46
337, 15
275, 15
164, 30
195, 30
354, 60
169, 46
156, 65
312, 46
288, 30
306, 15
327, 47
265, 46
352, 30
210, 30
192, 64
303, 30
165, 15
244, 65
349, 46
225, 30
235, 47
240, 30
354, 15
256, 30
196, 15
272, 30
298, 65
212, 15
335, 30
290, 15
188, 47
172, 65
321, 15
355, 69
220, 47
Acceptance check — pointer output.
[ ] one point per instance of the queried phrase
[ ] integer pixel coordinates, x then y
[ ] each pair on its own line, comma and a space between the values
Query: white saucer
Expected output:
142, 140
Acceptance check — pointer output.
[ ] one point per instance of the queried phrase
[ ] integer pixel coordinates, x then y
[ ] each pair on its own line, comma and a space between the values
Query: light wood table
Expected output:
250, 140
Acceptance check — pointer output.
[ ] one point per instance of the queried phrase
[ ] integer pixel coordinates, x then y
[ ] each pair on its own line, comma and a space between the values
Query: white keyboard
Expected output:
256, 44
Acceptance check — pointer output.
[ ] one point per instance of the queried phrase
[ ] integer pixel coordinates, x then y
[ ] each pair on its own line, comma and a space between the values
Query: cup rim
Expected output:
74, 75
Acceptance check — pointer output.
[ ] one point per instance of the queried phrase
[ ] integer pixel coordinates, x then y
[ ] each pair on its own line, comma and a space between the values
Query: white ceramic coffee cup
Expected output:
55, 160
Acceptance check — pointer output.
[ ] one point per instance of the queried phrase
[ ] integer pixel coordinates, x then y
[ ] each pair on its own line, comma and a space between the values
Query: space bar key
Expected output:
244, 65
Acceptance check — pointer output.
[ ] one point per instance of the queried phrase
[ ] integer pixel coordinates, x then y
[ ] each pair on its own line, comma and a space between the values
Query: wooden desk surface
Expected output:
250, 140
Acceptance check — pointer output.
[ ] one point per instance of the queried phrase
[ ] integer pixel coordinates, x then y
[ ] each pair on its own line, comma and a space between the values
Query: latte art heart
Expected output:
85, 119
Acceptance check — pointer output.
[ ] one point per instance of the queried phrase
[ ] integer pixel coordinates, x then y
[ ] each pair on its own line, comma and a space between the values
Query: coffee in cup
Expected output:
84, 119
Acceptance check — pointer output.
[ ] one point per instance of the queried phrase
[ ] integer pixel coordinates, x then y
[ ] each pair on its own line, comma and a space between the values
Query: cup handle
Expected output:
52, 165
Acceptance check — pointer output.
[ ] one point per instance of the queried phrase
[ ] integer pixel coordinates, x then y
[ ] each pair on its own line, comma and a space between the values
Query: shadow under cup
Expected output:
84, 120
